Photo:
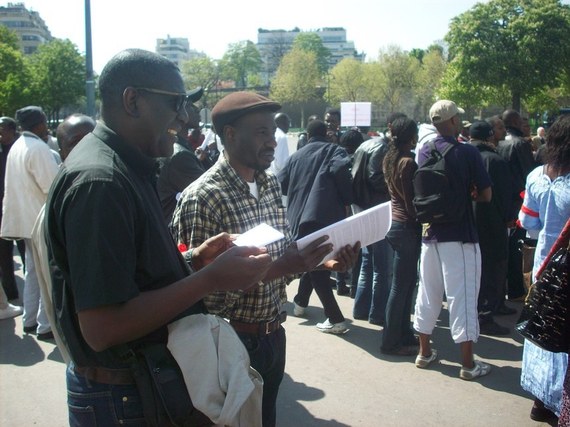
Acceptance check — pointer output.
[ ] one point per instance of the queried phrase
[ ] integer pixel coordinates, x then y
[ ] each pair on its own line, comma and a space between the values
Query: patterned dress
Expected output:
546, 208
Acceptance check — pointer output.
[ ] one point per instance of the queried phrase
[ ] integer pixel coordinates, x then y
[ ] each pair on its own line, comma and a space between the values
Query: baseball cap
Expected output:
444, 110
481, 130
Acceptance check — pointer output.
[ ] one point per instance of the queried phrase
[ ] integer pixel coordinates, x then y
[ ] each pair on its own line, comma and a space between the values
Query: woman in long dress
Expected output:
546, 208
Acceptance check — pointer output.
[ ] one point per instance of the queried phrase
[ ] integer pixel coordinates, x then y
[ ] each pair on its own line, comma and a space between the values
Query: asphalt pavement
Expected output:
330, 380
333, 381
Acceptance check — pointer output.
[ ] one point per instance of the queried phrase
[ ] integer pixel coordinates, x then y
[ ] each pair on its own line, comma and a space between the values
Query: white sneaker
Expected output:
423, 362
10, 311
479, 369
332, 328
298, 310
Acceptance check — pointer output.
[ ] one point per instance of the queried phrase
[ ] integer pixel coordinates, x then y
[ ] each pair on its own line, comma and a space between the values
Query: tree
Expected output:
14, 75
241, 60
519, 44
296, 79
396, 79
58, 76
203, 72
432, 69
311, 42
347, 82
9, 37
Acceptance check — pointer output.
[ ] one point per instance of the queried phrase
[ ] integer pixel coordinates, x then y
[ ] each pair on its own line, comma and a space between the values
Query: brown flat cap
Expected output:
238, 104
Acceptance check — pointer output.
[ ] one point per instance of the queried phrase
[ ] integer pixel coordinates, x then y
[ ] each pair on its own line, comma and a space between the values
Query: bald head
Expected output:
71, 131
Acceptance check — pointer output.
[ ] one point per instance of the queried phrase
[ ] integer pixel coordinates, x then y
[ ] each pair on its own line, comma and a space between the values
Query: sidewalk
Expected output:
330, 380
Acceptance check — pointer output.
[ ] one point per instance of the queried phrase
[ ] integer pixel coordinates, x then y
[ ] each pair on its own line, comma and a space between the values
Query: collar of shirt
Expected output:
133, 157
231, 177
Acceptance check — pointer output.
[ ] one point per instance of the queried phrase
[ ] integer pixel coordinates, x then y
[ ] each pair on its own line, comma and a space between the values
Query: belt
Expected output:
262, 328
106, 375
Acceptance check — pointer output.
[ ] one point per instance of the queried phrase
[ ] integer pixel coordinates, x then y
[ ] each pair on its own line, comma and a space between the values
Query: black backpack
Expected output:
439, 196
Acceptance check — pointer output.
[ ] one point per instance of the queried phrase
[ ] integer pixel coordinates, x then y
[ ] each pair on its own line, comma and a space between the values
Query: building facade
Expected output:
273, 44
31, 29
177, 49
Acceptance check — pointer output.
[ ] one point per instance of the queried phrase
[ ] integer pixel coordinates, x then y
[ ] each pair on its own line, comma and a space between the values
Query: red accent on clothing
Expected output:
529, 212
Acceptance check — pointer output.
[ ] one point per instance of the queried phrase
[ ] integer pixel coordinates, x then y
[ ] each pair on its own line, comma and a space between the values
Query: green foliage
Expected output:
58, 76
9, 37
14, 75
519, 44
240, 61
347, 82
429, 76
311, 42
397, 78
203, 72
297, 78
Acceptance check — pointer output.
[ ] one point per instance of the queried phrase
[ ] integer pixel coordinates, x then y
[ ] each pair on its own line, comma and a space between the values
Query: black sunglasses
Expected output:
181, 98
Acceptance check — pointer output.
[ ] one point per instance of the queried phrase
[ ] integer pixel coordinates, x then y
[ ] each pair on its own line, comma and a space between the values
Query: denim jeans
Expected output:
267, 356
92, 404
374, 282
405, 240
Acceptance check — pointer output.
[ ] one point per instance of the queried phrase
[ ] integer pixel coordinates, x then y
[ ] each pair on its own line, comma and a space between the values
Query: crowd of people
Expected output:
125, 247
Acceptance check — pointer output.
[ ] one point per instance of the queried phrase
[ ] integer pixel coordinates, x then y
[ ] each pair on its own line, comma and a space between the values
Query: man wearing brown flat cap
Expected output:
235, 195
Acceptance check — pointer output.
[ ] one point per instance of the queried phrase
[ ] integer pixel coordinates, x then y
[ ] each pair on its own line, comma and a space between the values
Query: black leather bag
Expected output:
164, 394
545, 317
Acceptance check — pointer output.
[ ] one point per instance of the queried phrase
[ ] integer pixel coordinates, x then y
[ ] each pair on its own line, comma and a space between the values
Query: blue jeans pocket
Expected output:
115, 406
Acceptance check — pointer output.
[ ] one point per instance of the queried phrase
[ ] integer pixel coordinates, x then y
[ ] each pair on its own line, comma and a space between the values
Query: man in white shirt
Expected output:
282, 150
30, 170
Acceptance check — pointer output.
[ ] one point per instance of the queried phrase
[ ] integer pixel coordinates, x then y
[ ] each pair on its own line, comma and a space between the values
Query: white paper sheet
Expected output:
259, 236
368, 227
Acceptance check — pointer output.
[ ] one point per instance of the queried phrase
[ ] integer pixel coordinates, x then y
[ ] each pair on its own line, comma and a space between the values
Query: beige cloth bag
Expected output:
216, 369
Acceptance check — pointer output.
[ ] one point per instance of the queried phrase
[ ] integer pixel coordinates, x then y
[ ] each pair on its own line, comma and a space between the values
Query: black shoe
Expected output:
45, 336
12, 295
30, 329
541, 414
491, 327
352, 293
503, 310
342, 289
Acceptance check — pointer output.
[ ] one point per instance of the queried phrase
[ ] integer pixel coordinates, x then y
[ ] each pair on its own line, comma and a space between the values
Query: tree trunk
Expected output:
516, 100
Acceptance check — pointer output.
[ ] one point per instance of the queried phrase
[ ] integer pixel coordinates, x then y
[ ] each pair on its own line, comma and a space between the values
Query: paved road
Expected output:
330, 380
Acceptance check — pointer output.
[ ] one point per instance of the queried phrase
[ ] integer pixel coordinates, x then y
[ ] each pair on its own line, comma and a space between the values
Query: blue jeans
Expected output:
92, 404
267, 356
405, 240
374, 282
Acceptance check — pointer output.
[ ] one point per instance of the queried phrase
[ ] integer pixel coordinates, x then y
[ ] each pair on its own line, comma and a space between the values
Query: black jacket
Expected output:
370, 188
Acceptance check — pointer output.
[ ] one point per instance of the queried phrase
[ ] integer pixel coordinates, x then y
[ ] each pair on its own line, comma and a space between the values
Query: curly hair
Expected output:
404, 130
558, 143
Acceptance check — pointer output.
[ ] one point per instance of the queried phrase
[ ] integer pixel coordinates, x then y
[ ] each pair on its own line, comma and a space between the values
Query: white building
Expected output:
31, 29
177, 49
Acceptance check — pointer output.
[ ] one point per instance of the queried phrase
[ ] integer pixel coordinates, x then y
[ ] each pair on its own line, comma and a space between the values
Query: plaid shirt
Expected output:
218, 201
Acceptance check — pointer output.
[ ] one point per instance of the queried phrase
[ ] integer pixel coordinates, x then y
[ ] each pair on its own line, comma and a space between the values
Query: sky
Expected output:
211, 26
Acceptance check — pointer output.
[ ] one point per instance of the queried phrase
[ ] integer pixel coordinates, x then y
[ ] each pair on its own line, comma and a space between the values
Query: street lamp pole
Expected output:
89, 80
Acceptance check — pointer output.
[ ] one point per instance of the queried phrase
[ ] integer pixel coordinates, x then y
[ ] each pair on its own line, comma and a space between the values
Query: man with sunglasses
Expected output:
118, 278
